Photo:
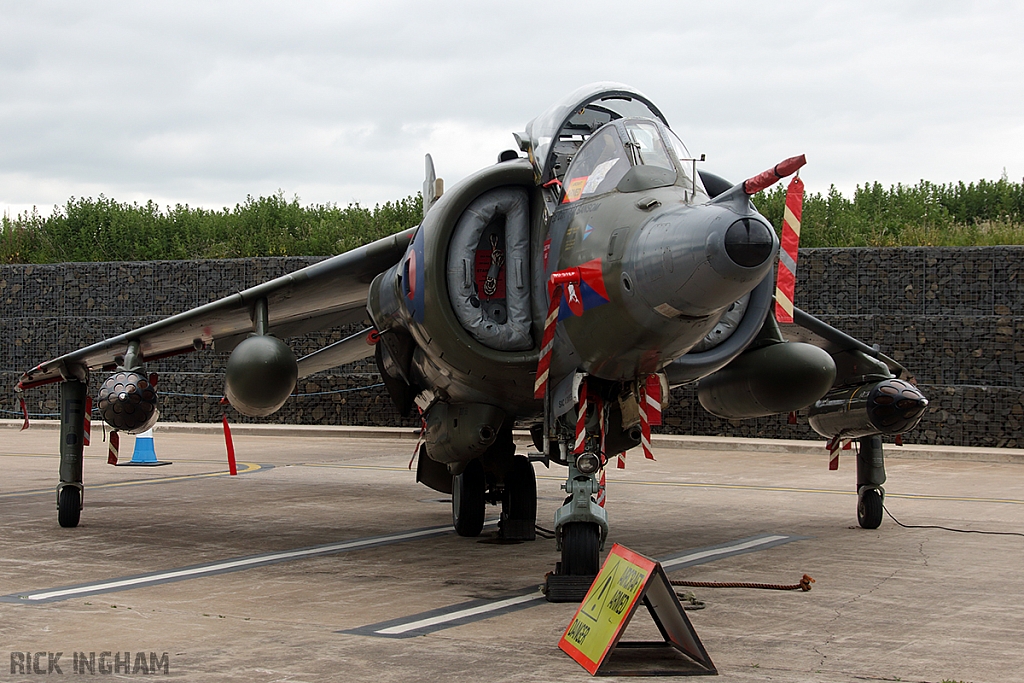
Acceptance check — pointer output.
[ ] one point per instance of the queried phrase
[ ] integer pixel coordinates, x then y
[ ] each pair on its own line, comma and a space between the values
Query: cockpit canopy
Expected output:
591, 139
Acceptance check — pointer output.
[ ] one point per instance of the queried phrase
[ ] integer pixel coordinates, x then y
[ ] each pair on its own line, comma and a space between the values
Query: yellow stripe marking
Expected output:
248, 467
783, 300
789, 219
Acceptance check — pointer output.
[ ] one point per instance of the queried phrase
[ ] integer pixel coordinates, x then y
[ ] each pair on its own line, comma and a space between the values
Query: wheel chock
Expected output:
566, 588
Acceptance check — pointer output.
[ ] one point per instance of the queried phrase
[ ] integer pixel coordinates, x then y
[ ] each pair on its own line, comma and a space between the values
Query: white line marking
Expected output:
667, 566
400, 629
234, 564
469, 612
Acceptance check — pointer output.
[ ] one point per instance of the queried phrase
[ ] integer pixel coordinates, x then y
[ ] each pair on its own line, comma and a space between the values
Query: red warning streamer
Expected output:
229, 444
788, 254
24, 410
555, 283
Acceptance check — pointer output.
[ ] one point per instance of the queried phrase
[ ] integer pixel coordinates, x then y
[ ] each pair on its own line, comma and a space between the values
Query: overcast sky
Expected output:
207, 102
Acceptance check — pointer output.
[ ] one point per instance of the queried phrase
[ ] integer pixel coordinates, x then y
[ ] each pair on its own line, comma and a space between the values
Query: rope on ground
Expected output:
804, 585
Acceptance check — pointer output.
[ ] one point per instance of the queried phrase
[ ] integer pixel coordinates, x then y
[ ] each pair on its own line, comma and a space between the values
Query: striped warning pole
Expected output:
602, 497
87, 426
788, 254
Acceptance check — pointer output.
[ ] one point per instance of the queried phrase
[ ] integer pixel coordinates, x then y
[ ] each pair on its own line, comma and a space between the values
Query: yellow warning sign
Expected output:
607, 607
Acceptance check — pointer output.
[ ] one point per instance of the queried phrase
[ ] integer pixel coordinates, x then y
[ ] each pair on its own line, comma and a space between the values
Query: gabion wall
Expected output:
950, 315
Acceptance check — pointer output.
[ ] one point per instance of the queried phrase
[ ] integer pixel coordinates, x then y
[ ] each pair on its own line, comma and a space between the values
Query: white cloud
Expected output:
205, 103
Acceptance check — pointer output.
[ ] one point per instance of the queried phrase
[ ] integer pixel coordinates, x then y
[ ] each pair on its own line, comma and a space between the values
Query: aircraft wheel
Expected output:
69, 507
581, 545
519, 506
869, 509
468, 502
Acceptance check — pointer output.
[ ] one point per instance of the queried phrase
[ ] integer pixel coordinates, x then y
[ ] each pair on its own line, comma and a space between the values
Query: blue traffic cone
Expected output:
144, 454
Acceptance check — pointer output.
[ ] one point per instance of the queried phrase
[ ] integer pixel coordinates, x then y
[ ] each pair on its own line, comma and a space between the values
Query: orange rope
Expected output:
804, 585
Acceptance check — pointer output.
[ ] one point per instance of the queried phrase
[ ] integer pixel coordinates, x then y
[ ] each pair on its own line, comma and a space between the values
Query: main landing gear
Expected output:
870, 477
515, 489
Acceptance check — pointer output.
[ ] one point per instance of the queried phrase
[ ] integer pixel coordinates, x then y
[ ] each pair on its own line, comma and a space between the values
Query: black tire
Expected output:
69, 507
519, 505
581, 545
869, 509
468, 502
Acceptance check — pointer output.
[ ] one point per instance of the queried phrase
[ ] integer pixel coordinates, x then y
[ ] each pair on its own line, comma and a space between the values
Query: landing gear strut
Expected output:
870, 477
70, 491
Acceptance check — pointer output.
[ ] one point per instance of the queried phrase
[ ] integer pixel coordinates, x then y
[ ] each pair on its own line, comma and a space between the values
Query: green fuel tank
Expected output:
261, 374
778, 378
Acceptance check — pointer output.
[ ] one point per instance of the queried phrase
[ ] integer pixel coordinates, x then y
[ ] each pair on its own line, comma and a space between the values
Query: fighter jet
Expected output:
565, 290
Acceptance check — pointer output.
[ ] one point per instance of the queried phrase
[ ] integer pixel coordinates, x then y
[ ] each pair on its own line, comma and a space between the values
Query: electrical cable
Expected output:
946, 528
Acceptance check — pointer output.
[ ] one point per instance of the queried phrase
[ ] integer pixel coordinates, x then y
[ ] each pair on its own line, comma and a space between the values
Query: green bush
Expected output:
103, 229
926, 214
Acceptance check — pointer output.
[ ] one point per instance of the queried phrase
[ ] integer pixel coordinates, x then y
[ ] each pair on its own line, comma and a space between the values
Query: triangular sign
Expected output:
626, 581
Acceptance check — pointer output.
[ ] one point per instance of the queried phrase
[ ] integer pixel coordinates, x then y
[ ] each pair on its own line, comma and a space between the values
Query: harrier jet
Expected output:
565, 289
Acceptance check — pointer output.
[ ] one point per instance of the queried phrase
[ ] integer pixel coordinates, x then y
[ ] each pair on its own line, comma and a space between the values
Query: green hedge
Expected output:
102, 229
106, 230
985, 213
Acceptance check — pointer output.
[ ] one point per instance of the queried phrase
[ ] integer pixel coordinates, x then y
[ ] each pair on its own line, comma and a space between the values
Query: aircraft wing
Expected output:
807, 328
326, 294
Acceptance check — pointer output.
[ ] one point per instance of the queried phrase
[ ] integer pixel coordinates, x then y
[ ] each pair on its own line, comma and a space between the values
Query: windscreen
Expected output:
598, 166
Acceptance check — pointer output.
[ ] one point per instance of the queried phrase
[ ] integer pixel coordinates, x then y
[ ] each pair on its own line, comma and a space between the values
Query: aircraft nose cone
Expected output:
749, 242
